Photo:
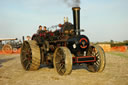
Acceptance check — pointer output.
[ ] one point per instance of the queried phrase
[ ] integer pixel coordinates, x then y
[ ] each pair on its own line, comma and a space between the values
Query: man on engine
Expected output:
45, 29
42, 31
39, 30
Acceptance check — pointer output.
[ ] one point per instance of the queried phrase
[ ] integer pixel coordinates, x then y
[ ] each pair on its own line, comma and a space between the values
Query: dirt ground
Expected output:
12, 73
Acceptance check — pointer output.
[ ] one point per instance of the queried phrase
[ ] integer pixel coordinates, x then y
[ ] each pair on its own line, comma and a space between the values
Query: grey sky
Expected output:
102, 20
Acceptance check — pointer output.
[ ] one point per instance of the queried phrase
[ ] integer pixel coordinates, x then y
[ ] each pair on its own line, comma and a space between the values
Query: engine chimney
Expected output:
76, 19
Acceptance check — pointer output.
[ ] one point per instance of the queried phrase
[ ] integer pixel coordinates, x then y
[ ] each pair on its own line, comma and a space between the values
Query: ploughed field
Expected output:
115, 73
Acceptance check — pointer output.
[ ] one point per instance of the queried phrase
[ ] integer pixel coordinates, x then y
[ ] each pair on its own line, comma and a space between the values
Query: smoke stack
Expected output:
76, 19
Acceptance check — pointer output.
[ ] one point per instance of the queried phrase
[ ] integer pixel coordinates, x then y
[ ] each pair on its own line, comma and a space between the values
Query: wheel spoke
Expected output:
58, 55
23, 51
63, 70
95, 67
58, 62
28, 64
25, 59
97, 54
60, 68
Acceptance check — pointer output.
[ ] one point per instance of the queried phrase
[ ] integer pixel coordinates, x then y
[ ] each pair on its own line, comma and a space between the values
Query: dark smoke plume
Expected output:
72, 3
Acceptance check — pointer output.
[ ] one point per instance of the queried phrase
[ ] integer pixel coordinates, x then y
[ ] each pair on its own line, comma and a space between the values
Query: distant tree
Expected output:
125, 41
111, 41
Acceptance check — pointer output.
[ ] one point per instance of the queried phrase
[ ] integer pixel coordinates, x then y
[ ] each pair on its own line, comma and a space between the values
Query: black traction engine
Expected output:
62, 49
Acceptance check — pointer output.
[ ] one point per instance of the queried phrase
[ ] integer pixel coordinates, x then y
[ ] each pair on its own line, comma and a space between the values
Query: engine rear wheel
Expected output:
63, 61
7, 49
30, 55
99, 64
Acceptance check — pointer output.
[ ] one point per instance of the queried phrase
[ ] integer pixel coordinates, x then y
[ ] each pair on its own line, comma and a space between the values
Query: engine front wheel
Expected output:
62, 61
99, 64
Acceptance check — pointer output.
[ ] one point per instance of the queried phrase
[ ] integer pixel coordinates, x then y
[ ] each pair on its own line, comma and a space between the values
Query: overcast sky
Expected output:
103, 20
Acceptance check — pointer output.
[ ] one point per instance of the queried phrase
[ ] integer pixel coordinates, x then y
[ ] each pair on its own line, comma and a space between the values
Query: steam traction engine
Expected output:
62, 49
10, 45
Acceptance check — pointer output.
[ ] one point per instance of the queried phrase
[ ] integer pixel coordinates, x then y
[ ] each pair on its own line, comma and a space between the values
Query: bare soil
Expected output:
12, 73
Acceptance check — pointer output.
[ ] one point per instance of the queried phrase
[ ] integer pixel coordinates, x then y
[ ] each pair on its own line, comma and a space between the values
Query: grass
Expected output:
122, 54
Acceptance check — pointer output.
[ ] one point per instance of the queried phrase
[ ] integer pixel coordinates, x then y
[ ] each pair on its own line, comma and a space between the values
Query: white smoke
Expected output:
72, 3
